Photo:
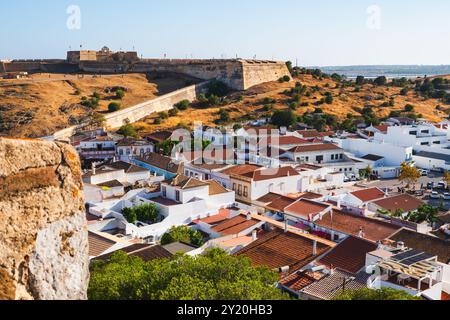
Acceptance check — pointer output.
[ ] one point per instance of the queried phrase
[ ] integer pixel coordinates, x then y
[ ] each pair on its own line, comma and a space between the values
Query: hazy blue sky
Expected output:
319, 32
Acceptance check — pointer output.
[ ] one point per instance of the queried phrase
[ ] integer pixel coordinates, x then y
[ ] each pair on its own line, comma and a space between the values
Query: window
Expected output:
164, 192
245, 192
240, 190
306, 159
332, 157
186, 173
234, 186
177, 195
342, 156
121, 152
319, 159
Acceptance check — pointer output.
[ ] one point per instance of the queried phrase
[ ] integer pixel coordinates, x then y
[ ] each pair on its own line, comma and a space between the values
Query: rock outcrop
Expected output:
43, 233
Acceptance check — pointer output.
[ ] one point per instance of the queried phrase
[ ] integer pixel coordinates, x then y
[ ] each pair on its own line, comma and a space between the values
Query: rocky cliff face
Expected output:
43, 233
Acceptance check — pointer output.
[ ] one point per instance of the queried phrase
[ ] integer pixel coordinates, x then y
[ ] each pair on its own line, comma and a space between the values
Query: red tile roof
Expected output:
280, 203
301, 280
223, 215
278, 249
314, 133
404, 202
274, 173
306, 208
367, 195
374, 230
283, 140
234, 225
314, 147
241, 169
349, 255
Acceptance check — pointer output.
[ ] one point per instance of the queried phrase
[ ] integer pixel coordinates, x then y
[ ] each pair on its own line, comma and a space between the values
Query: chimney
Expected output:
400, 245
315, 248
254, 235
339, 204
93, 168
249, 216
286, 225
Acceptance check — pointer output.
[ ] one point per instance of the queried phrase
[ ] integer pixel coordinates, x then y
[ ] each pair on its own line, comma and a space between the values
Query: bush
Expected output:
96, 95
120, 93
380, 81
164, 115
409, 108
157, 121
128, 131
114, 106
183, 105
173, 112
284, 118
328, 98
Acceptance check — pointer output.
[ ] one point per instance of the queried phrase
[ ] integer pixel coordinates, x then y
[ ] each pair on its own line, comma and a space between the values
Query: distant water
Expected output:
388, 71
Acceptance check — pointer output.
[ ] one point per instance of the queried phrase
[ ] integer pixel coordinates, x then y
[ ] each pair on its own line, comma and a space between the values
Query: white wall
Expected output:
394, 155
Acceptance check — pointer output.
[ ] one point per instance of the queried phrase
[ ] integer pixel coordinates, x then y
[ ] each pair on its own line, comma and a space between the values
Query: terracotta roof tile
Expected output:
404, 202
375, 230
234, 225
301, 280
306, 208
98, 244
314, 147
367, 195
349, 255
278, 249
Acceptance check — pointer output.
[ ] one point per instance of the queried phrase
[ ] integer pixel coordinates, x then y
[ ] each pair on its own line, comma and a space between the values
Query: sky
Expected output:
309, 33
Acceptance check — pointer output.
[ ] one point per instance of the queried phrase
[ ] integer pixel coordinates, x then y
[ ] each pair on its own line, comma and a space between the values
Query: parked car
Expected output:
446, 196
424, 172
435, 195
442, 185
430, 186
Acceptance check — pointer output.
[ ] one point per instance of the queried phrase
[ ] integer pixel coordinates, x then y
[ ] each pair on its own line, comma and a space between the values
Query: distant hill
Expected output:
393, 71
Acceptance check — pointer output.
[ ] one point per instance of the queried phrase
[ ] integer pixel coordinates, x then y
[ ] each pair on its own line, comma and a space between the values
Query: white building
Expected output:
179, 202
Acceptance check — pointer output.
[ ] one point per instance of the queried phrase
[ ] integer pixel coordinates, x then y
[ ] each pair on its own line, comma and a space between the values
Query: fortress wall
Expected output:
140, 111
43, 234
34, 66
163, 103
256, 72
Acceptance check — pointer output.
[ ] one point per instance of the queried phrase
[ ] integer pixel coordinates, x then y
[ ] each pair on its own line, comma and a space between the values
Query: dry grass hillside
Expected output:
46, 103
345, 101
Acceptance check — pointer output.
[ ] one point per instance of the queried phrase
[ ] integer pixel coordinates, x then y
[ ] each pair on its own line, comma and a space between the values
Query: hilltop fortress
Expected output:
239, 74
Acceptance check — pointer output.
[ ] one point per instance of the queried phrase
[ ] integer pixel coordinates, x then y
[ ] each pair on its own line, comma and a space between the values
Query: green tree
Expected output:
114, 106
360, 80
147, 213
284, 118
378, 294
183, 234
213, 276
128, 130
380, 81
365, 173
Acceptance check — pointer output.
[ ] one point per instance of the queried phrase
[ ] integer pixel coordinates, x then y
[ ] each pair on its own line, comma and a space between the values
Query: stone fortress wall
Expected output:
239, 74
43, 233
133, 114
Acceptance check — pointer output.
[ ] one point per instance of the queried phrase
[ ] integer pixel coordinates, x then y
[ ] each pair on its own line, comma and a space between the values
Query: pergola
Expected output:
413, 264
